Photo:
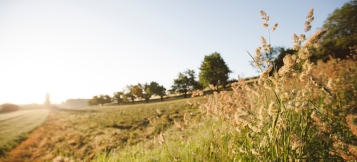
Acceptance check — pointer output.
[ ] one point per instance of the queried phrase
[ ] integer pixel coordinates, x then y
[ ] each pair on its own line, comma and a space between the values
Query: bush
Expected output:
9, 108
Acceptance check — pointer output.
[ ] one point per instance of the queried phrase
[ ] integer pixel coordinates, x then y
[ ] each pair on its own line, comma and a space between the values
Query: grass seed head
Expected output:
273, 109
274, 27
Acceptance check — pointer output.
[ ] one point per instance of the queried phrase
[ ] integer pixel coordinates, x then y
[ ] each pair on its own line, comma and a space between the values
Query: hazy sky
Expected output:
78, 49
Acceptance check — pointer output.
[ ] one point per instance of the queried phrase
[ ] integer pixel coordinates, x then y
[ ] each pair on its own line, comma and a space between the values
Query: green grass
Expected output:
15, 126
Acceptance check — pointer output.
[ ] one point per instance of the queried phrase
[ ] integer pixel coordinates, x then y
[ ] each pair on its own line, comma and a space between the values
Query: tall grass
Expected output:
303, 112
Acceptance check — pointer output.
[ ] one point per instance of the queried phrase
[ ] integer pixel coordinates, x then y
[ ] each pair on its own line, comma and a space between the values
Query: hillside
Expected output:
84, 133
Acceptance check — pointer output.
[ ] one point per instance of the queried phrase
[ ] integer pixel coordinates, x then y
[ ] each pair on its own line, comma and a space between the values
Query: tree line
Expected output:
213, 71
339, 42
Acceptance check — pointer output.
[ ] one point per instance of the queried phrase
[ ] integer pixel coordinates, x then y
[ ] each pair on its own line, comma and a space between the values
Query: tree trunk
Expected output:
161, 98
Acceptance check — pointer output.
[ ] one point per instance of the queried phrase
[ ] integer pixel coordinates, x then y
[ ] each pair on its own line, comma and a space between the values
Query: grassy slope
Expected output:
84, 133
15, 126
147, 132
218, 139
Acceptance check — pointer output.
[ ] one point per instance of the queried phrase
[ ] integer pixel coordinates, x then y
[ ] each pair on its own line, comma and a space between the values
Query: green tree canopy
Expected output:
214, 71
101, 100
137, 90
131, 92
341, 33
185, 82
157, 89
93, 101
107, 99
130, 96
146, 91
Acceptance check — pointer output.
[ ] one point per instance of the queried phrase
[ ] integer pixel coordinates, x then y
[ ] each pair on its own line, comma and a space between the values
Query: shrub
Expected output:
9, 108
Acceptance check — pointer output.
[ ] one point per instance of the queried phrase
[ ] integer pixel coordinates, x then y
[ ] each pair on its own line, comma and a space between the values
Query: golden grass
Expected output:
83, 133
303, 112
15, 126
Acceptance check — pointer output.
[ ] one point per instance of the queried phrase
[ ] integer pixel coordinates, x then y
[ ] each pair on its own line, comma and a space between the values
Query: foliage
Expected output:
101, 100
157, 89
341, 33
118, 97
130, 96
8, 107
93, 101
137, 90
185, 82
147, 93
299, 113
107, 99
302, 112
214, 71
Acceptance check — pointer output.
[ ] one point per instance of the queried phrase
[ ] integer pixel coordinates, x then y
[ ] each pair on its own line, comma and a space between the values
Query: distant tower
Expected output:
47, 101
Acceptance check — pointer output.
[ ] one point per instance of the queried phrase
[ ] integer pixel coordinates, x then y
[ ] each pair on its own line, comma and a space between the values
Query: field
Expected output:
303, 111
84, 133
15, 126
309, 116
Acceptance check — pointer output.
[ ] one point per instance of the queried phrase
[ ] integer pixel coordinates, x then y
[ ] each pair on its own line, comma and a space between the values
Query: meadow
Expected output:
308, 116
15, 126
82, 134
303, 111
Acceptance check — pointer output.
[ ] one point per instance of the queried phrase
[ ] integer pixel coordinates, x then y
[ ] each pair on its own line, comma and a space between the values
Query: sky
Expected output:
79, 48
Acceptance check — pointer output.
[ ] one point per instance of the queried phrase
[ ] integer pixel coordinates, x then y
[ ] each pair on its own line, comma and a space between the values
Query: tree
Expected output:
130, 96
137, 90
118, 97
214, 71
107, 99
130, 93
157, 89
93, 101
101, 100
341, 32
125, 98
147, 93
90, 103
185, 82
